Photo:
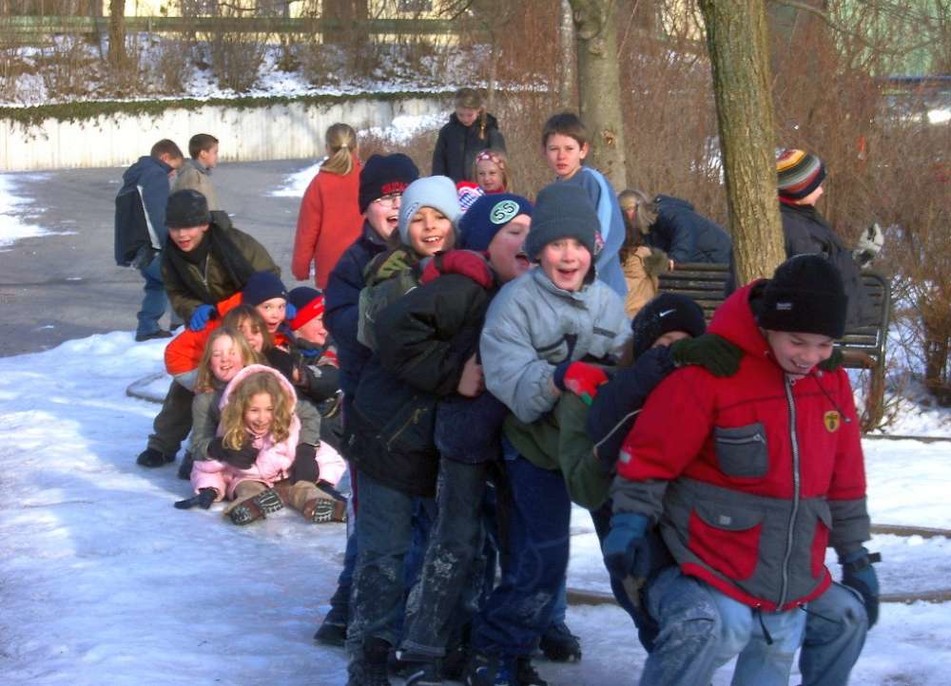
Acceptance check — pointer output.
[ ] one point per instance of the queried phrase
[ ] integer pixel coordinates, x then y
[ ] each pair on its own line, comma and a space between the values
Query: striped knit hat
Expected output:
799, 173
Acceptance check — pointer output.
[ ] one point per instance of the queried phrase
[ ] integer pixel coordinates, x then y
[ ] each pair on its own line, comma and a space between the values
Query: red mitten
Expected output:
580, 378
465, 262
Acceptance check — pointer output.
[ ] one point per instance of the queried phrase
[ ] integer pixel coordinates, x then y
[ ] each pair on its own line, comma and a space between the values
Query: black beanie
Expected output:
805, 295
385, 175
665, 313
185, 209
262, 286
562, 210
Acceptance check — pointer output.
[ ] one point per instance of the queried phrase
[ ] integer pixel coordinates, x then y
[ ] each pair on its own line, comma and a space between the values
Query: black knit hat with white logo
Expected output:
665, 313
805, 295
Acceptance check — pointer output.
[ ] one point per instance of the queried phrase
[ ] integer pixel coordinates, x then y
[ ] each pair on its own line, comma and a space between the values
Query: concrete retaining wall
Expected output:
285, 130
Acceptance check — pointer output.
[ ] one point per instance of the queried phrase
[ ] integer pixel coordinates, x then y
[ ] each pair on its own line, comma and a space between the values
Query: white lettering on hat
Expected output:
784, 307
504, 212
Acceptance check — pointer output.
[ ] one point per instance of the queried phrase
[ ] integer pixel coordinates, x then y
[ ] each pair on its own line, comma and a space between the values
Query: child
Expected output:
196, 172
565, 146
764, 471
390, 440
253, 460
642, 265
329, 219
491, 171
537, 331
470, 129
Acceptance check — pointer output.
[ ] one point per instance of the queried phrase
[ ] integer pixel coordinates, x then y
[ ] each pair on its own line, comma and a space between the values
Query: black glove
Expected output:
305, 464
242, 458
715, 354
859, 574
204, 499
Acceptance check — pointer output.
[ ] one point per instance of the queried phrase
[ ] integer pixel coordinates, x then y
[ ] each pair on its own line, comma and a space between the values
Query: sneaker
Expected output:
560, 645
421, 673
525, 674
161, 333
331, 634
185, 468
150, 457
488, 670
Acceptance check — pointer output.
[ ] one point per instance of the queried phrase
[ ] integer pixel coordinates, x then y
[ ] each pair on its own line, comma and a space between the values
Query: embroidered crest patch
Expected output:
832, 420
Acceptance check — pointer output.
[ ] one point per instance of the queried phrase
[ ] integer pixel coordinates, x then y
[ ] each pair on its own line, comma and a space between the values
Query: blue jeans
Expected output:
447, 594
836, 626
537, 518
387, 521
701, 629
154, 300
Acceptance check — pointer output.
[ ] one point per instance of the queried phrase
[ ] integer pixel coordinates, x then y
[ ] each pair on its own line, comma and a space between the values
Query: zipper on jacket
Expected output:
755, 438
794, 443
413, 419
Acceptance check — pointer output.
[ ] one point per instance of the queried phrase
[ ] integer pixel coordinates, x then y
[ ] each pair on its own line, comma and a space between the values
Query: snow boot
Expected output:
185, 468
323, 510
559, 644
419, 671
525, 674
489, 670
370, 668
150, 457
256, 507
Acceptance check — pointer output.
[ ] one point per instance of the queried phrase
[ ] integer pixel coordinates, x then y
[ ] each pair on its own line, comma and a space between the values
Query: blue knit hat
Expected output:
487, 216
262, 286
438, 192
562, 210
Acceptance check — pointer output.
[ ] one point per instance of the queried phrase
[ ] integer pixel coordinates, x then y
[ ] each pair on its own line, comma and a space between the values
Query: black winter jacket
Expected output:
458, 145
687, 236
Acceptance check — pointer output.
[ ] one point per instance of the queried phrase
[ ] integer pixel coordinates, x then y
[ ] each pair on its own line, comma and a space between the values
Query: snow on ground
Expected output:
12, 225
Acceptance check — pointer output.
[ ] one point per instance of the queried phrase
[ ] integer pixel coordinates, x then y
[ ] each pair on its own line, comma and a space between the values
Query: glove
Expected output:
290, 311
242, 458
715, 354
625, 548
859, 574
204, 499
580, 378
305, 467
201, 316
465, 262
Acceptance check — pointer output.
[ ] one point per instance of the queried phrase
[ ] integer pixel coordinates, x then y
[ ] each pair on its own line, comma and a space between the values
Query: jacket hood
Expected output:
669, 202
140, 166
251, 369
734, 320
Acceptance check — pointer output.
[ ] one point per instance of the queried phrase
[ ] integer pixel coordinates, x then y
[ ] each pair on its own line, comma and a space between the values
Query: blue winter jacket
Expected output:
687, 236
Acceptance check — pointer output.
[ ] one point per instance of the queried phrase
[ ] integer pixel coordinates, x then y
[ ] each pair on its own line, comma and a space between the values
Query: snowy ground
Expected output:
102, 579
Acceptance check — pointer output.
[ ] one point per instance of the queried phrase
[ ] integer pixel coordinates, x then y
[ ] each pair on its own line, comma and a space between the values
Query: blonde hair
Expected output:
248, 313
499, 158
469, 98
341, 141
234, 432
206, 378
646, 208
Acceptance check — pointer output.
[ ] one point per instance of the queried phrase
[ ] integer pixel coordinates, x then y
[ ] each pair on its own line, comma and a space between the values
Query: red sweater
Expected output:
328, 222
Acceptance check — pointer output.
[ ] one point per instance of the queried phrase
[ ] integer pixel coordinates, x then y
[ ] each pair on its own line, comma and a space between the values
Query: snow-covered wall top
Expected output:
283, 130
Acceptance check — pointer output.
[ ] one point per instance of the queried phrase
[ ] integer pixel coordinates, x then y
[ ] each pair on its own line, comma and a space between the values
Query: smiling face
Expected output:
189, 238
313, 331
253, 335
566, 262
564, 155
506, 255
259, 413
272, 311
430, 231
225, 360
383, 214
797, 353
489, 176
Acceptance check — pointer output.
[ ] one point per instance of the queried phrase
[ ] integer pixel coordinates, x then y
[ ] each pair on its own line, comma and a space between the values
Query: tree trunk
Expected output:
566, 38
599, 86
117, 54
739, 55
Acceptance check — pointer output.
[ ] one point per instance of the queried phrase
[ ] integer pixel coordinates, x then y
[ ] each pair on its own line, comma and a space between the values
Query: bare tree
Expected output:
117, 54
739, 56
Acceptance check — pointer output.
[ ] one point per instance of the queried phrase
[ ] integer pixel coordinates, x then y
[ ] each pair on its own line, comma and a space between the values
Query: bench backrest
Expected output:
864, 346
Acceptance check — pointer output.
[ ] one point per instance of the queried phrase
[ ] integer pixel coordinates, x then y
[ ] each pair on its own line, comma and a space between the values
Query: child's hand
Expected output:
580, 378
204, 499
243, 458
472, 381
201, 316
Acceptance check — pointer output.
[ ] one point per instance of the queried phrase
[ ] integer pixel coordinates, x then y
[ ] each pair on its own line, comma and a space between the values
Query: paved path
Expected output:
60, 287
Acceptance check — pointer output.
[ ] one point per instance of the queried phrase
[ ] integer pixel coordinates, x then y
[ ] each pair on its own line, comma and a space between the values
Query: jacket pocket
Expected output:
726, 537
741, 451
411, 429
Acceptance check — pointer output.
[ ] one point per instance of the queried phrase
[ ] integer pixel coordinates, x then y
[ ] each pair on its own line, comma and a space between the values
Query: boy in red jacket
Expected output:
763, 473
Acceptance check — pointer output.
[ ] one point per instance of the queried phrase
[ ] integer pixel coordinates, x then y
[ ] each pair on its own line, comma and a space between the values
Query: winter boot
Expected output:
419, 671
323, 510
185, 468
333, 630
559, 644
256, 508
525, 674
370, 668
454, 663
150, 457
488, 670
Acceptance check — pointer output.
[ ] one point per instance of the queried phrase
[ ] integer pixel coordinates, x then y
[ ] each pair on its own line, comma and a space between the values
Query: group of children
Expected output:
485, 374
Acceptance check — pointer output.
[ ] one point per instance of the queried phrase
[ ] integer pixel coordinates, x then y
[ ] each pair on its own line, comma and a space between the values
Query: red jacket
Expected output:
328, 222
751, 476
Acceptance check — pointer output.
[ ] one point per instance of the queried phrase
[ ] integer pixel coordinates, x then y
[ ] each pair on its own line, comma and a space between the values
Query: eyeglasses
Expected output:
388, 200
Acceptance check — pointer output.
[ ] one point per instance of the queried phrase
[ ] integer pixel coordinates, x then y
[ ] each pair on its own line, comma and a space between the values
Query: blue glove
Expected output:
289, 312
201, 316
859, 574
625, 548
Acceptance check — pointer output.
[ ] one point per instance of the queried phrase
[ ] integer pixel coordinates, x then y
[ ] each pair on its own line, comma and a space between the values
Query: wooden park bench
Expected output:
862, 347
